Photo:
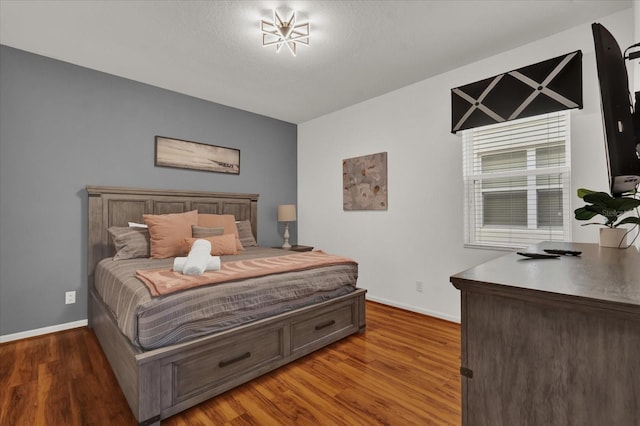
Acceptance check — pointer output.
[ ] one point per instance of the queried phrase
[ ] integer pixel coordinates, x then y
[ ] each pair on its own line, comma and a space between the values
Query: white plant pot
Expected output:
613, 237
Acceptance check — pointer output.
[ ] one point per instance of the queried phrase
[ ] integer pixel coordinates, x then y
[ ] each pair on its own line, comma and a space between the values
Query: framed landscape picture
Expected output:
182, 154
364, 182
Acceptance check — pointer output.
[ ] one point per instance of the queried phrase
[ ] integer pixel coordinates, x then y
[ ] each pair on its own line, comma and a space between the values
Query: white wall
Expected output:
420, 237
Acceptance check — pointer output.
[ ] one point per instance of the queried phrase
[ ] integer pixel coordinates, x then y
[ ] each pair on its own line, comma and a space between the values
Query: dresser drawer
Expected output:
325, 325
214, 366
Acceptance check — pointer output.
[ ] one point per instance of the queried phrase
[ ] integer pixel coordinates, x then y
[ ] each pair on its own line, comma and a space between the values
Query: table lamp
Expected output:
286, 213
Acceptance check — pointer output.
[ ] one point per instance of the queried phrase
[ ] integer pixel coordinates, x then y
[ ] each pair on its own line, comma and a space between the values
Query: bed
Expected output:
162, 381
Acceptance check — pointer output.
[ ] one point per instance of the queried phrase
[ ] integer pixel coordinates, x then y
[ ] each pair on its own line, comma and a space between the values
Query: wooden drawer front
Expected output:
211, 368
333, 323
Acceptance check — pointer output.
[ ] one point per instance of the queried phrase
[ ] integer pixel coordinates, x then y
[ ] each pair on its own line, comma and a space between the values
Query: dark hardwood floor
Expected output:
404, 370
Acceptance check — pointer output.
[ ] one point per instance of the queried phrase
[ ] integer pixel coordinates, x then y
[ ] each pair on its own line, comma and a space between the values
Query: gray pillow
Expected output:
130, 243
204, 232
245, 234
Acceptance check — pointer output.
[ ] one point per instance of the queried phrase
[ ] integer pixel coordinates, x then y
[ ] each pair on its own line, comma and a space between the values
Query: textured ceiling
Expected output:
212, 49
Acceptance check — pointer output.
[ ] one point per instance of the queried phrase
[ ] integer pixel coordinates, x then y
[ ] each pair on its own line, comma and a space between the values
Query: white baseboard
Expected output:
414, 309
43, 330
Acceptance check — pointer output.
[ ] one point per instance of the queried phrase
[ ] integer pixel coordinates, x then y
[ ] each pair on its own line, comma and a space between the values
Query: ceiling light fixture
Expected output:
281, 32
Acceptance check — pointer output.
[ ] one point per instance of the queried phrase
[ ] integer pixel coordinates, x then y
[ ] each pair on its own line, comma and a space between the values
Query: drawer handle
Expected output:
325, 325
223, 364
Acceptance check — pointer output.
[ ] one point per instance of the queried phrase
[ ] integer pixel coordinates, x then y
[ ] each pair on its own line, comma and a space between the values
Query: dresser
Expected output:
552, 341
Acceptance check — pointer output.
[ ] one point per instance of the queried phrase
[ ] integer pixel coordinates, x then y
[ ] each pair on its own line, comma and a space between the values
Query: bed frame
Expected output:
165, 381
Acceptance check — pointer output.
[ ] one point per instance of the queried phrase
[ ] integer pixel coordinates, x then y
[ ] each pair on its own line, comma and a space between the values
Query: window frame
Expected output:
478, 235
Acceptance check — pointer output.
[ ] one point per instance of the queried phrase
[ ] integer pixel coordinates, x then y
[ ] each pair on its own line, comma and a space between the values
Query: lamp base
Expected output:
286, 244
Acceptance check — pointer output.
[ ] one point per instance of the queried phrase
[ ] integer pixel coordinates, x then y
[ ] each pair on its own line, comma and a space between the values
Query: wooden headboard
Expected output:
113, 206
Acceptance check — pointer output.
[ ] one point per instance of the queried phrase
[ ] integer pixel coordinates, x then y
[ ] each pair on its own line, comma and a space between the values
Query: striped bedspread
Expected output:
153, 322
166, 281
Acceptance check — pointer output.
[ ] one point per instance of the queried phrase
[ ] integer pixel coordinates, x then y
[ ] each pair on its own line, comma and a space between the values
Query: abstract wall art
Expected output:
365, 182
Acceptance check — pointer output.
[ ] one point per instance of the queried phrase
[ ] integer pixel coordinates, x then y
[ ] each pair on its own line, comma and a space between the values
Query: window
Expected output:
517, 182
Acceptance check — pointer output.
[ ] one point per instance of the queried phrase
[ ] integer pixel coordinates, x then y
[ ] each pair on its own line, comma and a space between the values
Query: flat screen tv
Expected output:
621, 141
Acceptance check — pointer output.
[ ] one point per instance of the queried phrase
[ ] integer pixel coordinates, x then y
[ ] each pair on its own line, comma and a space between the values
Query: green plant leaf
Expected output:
599, 198
625, 204
608, 212
582, 192
630, 219
584, 214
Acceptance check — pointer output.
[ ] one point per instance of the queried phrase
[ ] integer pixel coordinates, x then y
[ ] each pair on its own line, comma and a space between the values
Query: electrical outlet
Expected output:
419, 286
70, 297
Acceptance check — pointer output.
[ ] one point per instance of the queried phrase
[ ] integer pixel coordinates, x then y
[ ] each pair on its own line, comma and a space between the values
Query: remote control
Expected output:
567, 252
539, 255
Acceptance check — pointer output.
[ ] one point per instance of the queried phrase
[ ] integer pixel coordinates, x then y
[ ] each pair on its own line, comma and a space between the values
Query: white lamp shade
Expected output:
287, 213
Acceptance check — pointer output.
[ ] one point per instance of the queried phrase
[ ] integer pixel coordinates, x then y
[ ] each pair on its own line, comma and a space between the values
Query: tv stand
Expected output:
552, 341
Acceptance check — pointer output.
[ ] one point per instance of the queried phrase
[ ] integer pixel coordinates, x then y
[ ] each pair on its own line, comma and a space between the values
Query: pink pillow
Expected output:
168, 231
227, 221
220, 244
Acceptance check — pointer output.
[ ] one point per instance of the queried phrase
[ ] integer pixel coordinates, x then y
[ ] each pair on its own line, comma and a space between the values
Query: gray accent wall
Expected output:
63, 127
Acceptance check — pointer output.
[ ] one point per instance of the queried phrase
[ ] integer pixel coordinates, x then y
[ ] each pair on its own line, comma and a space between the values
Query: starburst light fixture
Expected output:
281, 32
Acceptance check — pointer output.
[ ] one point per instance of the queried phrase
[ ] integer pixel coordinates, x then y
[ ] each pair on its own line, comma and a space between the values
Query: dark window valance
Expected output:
548, 86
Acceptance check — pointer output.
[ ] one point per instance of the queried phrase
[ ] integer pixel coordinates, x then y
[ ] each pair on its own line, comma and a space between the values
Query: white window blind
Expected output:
517, 182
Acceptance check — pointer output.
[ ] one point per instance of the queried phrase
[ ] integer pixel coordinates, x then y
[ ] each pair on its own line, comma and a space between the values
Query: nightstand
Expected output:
297, 248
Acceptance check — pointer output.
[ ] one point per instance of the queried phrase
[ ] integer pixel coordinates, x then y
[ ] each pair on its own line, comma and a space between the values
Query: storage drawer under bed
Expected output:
326, 324
218, 364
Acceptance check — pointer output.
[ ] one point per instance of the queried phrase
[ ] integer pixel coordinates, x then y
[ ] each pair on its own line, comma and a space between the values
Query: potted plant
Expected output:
601, 203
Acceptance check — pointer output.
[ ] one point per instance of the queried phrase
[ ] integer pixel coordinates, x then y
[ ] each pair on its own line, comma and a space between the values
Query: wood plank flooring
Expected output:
404, 370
